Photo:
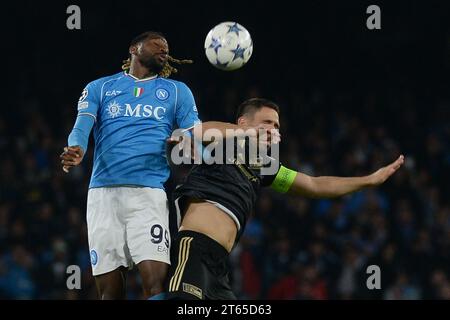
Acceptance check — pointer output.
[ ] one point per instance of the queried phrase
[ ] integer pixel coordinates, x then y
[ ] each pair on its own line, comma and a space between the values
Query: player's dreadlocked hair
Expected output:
168, 69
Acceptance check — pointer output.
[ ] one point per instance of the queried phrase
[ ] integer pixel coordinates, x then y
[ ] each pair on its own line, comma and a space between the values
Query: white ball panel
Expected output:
224, 38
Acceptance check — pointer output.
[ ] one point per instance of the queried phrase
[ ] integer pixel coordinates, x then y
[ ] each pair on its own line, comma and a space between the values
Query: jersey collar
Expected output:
140, 80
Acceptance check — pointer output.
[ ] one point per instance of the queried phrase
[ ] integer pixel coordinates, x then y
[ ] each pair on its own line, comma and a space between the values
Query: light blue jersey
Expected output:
133, 118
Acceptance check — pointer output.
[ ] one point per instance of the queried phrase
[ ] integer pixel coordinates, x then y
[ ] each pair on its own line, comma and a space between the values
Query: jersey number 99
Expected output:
159, 234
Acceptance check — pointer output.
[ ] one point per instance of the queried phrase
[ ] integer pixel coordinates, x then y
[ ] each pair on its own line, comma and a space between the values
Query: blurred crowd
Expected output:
293, 247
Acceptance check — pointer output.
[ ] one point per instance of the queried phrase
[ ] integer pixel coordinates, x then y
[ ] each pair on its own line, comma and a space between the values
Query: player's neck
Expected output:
140, 72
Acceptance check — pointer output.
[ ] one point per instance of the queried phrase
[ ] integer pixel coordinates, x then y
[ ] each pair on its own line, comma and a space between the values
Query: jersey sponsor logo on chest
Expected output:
139, 110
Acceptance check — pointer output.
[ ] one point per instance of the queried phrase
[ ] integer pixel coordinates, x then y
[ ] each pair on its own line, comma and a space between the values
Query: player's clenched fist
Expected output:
71, 157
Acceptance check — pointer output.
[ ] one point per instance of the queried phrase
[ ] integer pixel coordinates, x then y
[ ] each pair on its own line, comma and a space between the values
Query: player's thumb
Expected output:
174, 139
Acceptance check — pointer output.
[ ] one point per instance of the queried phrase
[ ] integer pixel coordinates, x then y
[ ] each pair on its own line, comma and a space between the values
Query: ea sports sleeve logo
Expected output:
162, 94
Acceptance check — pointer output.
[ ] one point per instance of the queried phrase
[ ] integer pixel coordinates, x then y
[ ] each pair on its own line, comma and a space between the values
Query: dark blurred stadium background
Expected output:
352, 100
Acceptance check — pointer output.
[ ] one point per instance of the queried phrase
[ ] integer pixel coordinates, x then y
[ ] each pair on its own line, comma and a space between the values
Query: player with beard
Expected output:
215, 201
132, 113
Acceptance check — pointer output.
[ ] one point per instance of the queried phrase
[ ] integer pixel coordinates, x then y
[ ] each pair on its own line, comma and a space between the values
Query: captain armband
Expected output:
283, 180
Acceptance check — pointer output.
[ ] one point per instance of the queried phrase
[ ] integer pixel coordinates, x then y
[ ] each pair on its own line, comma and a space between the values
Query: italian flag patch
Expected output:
138, 91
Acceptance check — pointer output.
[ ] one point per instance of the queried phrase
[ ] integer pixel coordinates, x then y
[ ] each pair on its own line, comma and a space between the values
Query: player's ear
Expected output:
242, 121
133, 49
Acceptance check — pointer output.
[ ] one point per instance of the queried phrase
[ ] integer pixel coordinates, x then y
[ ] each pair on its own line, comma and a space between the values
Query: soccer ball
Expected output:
228, 46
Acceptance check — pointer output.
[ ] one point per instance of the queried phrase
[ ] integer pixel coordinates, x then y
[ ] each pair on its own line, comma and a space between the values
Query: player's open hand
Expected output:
381, 175
71, 157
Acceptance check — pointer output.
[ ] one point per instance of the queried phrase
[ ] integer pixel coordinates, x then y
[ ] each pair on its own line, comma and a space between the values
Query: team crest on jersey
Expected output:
83, 96
114, 109
162, 94
137, 91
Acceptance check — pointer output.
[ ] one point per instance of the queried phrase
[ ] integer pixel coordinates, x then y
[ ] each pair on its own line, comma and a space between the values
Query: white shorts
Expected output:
127, 225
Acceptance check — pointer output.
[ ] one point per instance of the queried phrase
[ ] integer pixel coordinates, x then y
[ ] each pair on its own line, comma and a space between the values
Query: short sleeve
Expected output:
273, 167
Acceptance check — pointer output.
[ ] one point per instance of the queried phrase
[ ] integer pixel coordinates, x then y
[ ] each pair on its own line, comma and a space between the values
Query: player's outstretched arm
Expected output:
329, 187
